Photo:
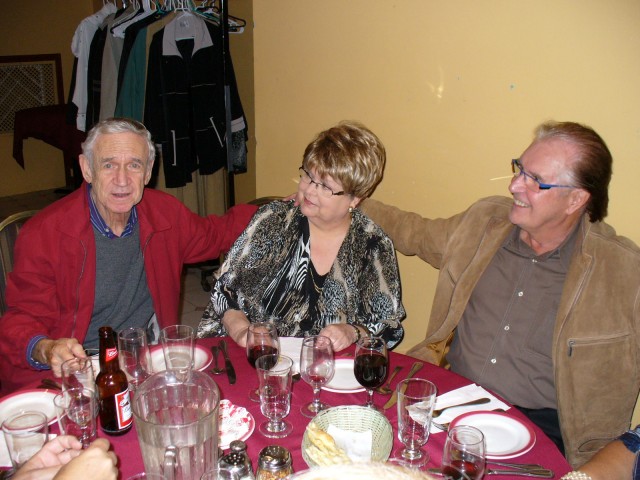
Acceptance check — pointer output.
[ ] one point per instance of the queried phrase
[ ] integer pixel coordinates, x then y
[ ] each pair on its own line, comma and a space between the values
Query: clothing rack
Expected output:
226, 54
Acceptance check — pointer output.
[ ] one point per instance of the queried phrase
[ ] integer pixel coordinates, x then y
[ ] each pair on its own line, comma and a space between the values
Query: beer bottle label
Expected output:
123, 409
111, 353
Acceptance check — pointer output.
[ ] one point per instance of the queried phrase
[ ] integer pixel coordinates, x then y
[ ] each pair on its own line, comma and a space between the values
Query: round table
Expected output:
127, 449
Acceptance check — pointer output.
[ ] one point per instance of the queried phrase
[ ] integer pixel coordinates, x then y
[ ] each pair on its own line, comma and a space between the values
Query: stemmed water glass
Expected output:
317, 366
370, 365
416, 399
274, 374
262, 339
464, 455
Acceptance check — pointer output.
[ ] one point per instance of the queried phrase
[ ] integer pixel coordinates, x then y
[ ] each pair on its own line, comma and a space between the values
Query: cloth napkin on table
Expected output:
290, 347
462, 395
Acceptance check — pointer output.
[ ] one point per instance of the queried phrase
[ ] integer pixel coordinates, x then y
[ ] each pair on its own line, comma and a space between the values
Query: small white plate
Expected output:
506, 436
234, 423
26, 400
344, 380
202, 358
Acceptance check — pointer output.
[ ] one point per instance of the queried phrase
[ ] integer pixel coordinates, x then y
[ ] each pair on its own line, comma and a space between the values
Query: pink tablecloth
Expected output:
128, 451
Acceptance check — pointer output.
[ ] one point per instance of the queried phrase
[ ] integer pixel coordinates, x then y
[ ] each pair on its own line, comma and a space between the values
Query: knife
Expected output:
541, 473
394, 397
231, 373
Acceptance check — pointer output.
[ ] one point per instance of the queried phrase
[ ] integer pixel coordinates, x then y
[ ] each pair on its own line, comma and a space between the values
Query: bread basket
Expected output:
356, 419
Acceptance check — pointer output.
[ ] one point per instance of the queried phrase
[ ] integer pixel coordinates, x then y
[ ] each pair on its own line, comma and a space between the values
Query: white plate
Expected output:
506, 437
344, 380
26, 400
202, 358
235, 423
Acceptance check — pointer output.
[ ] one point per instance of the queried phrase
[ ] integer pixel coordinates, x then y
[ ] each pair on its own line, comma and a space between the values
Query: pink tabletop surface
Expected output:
130, 460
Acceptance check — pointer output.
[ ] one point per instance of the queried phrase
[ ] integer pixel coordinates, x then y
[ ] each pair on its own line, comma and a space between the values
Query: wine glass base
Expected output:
285, 428
403, 458
309, 410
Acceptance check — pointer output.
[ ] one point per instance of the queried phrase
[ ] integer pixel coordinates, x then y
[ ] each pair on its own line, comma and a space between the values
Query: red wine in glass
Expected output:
461, 470
256, 351
370, 369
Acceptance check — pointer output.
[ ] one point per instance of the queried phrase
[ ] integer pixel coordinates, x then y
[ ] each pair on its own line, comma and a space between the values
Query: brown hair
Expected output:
592, 171
351, 154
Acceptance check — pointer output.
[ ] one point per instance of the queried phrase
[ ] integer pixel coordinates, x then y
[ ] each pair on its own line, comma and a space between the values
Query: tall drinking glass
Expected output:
370, 365
262, 339
79, 373
178, 343
133, 355
317, 366
274, 374
464, 454
416, 399
25, 434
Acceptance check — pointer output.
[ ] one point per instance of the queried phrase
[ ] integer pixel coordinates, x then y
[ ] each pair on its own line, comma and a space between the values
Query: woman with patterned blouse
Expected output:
316, 265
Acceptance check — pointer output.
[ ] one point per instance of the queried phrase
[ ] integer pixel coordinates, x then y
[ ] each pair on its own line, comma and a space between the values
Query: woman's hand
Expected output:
48, 460
96, 459
341, 334
236, 323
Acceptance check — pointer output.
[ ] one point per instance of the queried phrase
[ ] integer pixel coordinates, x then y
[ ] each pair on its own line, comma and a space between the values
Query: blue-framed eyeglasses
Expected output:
322, 189
530, 181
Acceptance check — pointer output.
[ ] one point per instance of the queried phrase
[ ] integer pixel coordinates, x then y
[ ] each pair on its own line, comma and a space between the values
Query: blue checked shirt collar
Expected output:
99, 224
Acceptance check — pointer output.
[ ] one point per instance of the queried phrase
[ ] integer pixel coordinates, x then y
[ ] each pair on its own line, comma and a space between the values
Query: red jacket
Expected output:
51, 289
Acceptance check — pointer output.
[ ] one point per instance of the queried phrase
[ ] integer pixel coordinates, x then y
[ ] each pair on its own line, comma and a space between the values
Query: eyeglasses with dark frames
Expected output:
306, 178
530, 181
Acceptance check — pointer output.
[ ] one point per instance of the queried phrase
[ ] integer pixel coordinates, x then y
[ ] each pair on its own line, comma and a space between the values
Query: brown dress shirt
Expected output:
503, 341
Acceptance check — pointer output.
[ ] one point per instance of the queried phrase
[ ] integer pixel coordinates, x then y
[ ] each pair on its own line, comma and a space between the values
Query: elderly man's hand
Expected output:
55, 352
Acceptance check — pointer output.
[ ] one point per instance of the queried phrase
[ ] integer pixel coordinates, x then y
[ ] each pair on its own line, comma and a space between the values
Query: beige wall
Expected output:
454, 89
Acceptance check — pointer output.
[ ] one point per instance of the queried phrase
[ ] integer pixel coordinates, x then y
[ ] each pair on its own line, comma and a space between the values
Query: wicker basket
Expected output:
356, 419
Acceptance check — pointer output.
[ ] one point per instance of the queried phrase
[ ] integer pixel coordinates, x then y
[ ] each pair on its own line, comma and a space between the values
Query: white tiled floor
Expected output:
194, 298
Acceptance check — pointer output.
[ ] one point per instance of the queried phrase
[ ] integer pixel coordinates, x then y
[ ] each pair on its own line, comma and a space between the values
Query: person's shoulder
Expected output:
496, 202
367, 226
68, 208
601, 233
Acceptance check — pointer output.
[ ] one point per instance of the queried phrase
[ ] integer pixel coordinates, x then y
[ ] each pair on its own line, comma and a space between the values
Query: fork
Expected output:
479, 401
215, 370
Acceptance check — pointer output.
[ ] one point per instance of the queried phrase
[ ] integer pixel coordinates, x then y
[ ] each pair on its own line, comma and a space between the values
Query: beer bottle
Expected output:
113, 389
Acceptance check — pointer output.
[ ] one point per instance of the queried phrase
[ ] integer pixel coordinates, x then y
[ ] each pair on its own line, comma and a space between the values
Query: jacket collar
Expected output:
183, 27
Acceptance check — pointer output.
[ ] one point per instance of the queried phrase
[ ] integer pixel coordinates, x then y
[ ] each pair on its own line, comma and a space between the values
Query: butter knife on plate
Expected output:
228, 366
394, 397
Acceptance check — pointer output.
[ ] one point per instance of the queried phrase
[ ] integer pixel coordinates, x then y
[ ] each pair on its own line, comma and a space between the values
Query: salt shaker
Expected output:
237, 461
274, 463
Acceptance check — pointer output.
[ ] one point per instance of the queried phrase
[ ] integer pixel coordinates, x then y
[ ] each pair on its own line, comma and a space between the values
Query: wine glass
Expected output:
274, 373
370, 365
464, 457
317, 366
178, 344
416, 399
75, 409
262, 339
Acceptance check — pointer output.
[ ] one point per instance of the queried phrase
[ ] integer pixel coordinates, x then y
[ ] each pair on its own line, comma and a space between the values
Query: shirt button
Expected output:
494, 361
520, 294
506, 328
533, 260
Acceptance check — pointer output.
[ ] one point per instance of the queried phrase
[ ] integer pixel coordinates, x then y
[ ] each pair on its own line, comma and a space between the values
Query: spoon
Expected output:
385, 389
216, 370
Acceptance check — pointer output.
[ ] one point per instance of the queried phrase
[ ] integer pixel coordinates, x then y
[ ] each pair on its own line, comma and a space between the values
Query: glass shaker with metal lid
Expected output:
274, 463
237, 461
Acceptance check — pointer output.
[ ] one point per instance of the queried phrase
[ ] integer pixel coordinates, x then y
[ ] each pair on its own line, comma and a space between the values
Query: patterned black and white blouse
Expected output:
268, 274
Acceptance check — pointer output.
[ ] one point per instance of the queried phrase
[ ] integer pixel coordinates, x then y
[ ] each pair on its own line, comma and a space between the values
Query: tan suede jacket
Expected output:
596, 339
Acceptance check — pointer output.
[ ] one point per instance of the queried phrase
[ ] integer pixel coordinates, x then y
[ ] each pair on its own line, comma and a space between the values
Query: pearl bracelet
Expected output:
575, 476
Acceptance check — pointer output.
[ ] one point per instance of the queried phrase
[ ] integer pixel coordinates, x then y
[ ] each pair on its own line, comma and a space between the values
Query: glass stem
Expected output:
369, 397
316, 399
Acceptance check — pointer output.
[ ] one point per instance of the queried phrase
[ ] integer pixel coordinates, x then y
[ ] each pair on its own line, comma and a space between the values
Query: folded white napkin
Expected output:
357, 445
291, 346
462, 395
5, 459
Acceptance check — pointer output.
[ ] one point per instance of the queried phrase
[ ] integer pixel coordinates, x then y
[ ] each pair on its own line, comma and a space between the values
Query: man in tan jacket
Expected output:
537, 298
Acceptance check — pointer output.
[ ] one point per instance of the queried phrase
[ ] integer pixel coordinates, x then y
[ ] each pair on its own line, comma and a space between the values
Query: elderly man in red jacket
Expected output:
110, 253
